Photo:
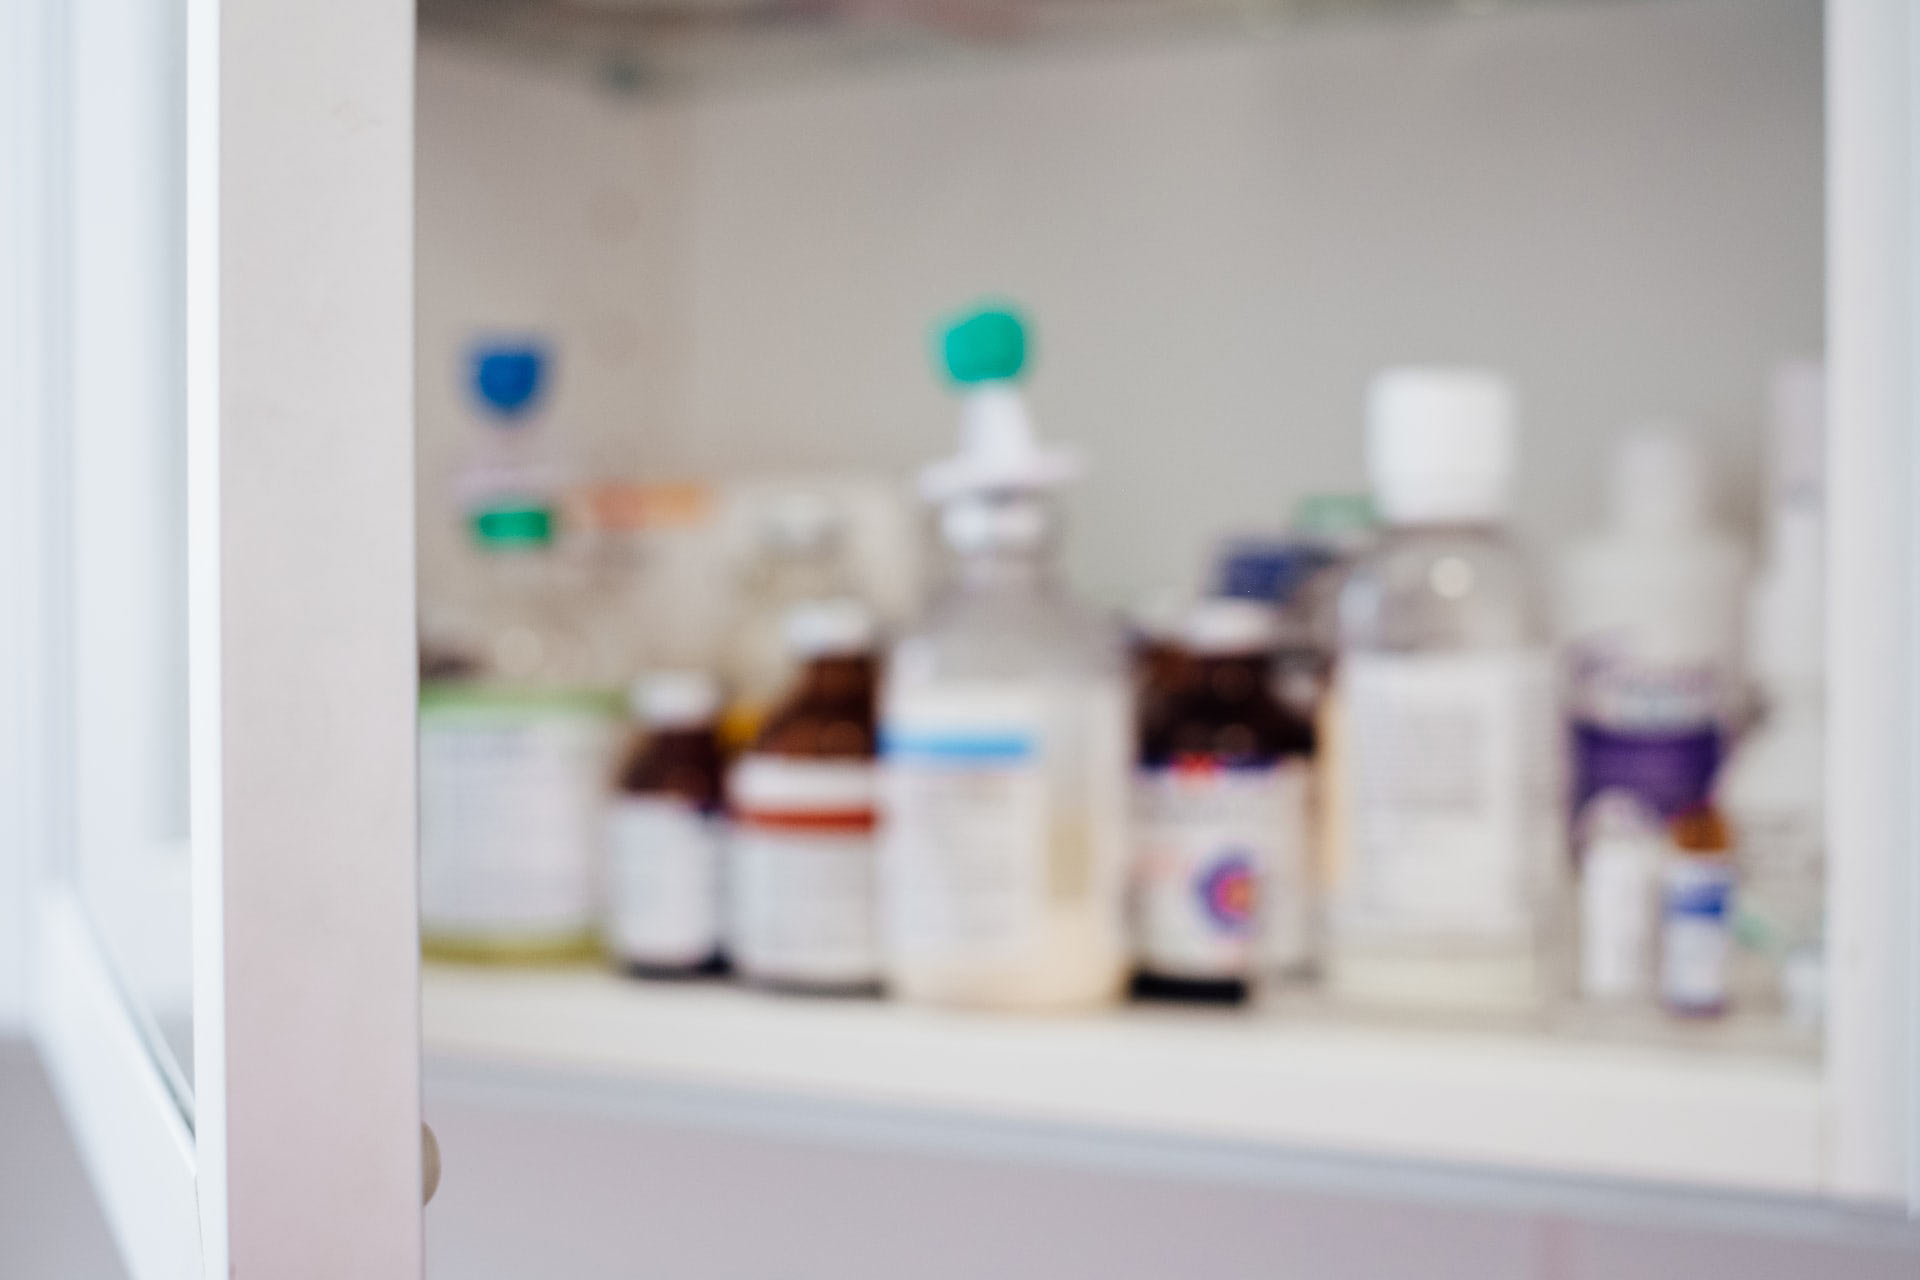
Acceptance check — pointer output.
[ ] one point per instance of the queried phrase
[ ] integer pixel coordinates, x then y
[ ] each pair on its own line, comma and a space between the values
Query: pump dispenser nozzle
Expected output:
985, 353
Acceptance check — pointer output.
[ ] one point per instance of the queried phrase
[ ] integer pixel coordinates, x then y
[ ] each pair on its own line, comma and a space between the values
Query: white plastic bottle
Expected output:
1454, 834
1773, 791
1006, 732
1649, 619
517, 718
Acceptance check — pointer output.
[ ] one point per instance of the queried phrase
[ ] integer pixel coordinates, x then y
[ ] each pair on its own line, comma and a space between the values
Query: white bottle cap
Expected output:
1440, 444
1225, 625
1659, 482
675, 699
824, 628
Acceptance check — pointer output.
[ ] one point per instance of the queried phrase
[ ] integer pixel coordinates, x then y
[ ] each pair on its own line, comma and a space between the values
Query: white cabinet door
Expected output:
208, 491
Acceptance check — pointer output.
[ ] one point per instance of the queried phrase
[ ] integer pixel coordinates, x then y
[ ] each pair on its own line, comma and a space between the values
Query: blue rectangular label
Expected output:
957, 746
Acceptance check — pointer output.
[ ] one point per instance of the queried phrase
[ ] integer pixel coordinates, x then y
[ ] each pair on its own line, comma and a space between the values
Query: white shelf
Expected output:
1686, 1115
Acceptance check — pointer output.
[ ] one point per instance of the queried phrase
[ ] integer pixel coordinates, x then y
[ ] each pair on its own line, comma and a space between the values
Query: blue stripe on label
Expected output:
973, 747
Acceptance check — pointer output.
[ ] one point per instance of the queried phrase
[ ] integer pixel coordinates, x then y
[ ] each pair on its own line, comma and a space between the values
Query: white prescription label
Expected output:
803, 902
1452, 769
1002, 800
1220, 871
663, 881
511, 811
1619, 878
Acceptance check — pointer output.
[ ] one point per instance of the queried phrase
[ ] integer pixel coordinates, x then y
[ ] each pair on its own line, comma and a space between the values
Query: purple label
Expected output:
1670, 773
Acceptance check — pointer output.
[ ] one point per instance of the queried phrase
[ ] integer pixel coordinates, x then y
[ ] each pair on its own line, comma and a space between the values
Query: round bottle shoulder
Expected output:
999, 639
1440, 589
1227, 716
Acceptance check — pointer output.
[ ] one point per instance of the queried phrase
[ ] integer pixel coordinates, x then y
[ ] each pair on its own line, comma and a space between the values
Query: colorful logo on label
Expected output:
1226, 892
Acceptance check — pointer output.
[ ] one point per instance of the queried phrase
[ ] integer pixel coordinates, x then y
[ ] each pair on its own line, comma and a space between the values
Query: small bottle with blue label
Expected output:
1221, 824
1696, 916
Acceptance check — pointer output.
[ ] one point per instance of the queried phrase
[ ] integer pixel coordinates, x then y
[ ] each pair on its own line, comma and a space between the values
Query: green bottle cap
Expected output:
986, 345
517, 526
1335, 515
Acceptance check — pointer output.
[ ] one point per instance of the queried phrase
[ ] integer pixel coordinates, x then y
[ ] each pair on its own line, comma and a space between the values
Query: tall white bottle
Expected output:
1649, 615
1445, 881
1773, 790
1006, 731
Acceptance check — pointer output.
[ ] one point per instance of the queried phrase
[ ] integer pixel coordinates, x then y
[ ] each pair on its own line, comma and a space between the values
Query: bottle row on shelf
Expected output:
1363, 760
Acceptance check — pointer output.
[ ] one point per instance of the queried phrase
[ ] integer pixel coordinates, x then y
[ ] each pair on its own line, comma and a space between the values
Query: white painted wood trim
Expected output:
131, 1135
1873, 911
301, 605
1546, 1105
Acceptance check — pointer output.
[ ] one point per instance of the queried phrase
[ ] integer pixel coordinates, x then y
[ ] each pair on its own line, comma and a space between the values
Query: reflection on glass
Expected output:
126, 467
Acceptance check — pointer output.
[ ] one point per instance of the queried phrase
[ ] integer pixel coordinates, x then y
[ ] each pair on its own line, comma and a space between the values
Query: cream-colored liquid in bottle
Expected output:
1006, 740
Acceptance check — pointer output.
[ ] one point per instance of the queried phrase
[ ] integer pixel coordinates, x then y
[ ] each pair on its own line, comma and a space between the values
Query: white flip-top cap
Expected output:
1226, 625
675, 699
1440, 443
1659, 482
823, 628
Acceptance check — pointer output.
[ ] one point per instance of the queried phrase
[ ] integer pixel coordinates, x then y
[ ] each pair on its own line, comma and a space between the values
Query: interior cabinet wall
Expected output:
1621, 204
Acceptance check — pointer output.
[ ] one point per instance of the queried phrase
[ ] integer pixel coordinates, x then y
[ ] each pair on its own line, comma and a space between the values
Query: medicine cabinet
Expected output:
733, 222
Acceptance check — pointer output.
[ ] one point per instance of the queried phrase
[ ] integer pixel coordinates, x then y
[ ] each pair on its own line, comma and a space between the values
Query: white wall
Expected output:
1619, 203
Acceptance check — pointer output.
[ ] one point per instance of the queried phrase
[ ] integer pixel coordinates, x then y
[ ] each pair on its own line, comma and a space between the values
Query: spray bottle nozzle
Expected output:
984, 352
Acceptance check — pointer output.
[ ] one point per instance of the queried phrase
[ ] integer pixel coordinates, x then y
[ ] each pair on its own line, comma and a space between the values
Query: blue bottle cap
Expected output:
508, 376
1272, 571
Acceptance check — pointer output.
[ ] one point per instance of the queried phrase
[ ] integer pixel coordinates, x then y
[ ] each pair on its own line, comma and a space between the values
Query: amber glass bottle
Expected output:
802, 893
663, 840
1220, 887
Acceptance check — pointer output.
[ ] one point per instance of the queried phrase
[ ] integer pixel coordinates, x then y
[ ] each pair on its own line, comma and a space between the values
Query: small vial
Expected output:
663, 840
1696, 916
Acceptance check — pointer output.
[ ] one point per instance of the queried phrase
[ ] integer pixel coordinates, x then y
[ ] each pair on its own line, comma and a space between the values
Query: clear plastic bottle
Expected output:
517, 724
798, 556
1448, 877
1006, 732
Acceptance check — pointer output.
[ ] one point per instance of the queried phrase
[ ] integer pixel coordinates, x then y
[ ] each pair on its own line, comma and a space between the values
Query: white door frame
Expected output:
1873, 284
302, 1153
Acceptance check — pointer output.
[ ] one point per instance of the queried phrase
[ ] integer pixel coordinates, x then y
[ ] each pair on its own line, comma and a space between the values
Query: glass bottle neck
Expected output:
1000, 540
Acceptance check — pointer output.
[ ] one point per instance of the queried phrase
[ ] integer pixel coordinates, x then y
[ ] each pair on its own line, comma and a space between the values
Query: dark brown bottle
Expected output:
802, 903
663, 847
1220, 875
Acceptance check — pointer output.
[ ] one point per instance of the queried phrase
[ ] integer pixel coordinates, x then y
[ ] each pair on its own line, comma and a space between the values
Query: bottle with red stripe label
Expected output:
802, 897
